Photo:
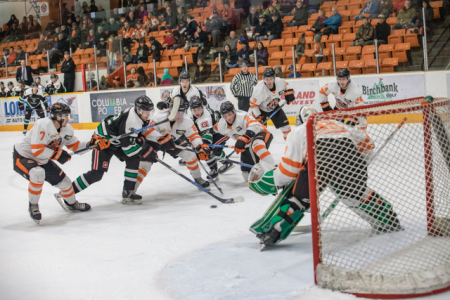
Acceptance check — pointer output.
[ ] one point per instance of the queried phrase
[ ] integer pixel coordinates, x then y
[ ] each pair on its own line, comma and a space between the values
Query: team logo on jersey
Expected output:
30, 161
68, 137
281, 92
238, 128
53, 136
105, 164
205, 124
180, 131
163, 131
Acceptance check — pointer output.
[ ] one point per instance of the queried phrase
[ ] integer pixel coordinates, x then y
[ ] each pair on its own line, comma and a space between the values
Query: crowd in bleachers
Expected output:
146, 36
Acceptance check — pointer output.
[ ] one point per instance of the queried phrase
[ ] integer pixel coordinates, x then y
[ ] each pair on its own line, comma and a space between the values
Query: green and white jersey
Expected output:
33, 101
205, 124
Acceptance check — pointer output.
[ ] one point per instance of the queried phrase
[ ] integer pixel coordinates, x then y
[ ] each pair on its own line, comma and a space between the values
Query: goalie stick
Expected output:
332, 206
226, 201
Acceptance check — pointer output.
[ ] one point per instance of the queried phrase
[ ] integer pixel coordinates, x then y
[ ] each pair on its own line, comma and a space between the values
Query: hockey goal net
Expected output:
380, 205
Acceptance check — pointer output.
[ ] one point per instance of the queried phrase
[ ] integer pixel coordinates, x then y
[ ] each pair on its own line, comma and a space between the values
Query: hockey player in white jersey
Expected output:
183, 133
266, 98
38, 82
33, 99
55, 86
186, 90
252, 138
19, 89
343, 168
35, 155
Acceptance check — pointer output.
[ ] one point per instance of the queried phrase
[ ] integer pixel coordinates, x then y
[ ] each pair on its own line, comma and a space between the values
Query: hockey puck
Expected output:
213, 206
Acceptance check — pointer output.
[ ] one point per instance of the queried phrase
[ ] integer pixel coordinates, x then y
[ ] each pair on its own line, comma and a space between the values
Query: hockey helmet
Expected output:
37, 78
10, 83
34, 84
1, 83
144, 103
184, 104
196, 102
53, 76
59, 109
304, 114
226, 107
343, 73
269, 72
20, 82
184, 75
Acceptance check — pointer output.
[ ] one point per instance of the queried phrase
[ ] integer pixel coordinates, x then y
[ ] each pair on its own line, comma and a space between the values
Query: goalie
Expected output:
340, 159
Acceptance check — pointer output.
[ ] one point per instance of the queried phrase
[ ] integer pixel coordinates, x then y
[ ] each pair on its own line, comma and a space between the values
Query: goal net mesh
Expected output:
382, 192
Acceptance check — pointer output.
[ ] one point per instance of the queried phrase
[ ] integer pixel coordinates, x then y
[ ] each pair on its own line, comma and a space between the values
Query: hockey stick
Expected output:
265, 122
226, 201
219, 146
234, 162
336, 201
136, 131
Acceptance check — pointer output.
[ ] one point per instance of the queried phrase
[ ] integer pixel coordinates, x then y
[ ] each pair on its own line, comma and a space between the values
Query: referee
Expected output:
242, 86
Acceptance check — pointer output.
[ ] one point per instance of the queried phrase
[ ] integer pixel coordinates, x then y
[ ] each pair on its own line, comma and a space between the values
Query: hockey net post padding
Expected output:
389, 236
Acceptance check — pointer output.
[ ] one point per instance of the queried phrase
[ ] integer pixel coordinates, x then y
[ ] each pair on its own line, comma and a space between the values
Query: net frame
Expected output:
413, 105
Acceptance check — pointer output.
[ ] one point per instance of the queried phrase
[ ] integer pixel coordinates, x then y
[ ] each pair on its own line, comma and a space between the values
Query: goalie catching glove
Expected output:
60, 155
289, 96
99, 142
203, 152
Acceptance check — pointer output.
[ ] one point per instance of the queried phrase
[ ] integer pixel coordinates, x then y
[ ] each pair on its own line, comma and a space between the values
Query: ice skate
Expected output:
214, 174
35, 214
203, 183
181, 162
131, 198
225, 168
24, 132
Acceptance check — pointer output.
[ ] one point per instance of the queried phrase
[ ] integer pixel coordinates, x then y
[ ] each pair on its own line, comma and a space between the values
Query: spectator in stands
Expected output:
131, 19
68, 68
65, 31
276, 28
318, 25
364, 35
261, 29
405, 17
24, 24
128, 34
171, 18
14, 34
86, 9
142, 13
151, 22
214, 26
112, 27
101, 48
117, 84
140, 32
382, 30
168, 40
141, 72
100, 35
228, 17
58, 48
181, 14
279, 72
244, 53
90, 82
139, 83
271, 10
142, 52
242, 87
202, 71
167, 79
41, 46
51, 26
90, 40
191, 26
429, 16
318, 48
94, 8
333, 22
386, 8
133, 75
398, 5
300, 50
127, 56
3, 93
370, 8
231, 58
75, 36
12, 20
291, 75
24, 73
155, 49
232, 41
300, 13
178, 40
252, 19
34, 29
56, 34
11, 56
262, 55
20, 56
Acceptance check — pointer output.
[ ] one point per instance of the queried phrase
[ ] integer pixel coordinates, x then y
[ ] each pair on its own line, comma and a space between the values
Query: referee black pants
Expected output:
243, 103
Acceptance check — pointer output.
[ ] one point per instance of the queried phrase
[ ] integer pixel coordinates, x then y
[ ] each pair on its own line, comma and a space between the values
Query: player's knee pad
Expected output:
187, 156
37, 174
65, 184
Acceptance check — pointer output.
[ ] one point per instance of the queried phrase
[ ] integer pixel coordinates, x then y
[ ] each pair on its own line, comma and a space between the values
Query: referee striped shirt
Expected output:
242, 84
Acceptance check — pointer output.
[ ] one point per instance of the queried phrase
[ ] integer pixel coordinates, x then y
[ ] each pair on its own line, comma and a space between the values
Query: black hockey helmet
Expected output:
269, 72
20, 82
10, 83
226, 107
34, 84
37, 77
1, 82
196, 102
53, 76
343, 73
144, 103
184, 75
59, 109
184, 104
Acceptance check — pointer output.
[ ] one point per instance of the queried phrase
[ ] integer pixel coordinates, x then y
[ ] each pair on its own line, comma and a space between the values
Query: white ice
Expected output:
173, 246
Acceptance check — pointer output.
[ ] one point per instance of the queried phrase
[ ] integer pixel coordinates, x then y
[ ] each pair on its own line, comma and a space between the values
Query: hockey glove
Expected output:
242, 141
60, 155
166, 142
261, 119
203, 151
148, 153
164, 104
289, 96
99, 142
21, 106
326, 106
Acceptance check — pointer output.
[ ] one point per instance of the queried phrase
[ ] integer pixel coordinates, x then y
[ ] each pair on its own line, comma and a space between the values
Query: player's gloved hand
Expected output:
60, 155
99, 142
166, 142
242, 141
164, 104
289, 96
21, 106
148, 153
261, 119
203, 151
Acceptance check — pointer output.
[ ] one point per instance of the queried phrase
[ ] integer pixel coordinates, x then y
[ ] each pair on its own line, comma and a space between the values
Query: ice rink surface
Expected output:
173, 246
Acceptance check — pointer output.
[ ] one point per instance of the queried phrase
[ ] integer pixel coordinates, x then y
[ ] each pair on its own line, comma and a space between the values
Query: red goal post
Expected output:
395, 244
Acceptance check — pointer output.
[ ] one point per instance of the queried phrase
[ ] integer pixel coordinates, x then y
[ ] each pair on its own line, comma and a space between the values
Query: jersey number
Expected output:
43, 134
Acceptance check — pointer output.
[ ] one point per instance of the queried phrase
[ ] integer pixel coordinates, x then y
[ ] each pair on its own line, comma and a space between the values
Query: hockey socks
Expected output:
259, 147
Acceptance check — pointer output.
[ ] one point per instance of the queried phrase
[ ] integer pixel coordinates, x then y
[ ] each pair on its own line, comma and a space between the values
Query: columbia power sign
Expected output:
105, 104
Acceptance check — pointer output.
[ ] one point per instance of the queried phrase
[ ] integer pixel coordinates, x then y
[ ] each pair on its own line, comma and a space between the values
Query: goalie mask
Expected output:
304, 114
